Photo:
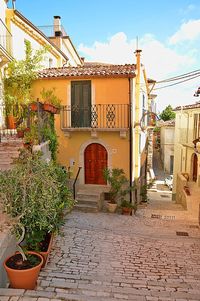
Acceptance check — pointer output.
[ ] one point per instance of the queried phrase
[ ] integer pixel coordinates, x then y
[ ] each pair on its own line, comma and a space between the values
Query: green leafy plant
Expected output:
119, 184
35, 195
127, 204
20, 75
167, 113
48, 132
143, 193
49, 96
32, 136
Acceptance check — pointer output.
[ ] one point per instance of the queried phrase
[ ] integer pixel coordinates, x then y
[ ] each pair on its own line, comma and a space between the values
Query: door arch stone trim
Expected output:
81, 156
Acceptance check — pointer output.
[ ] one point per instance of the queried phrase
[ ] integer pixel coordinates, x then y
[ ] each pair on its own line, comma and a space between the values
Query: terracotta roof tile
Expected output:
90, 70
186, 107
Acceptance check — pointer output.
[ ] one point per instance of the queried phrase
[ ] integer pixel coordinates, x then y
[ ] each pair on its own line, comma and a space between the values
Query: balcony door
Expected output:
81, 103
95, 159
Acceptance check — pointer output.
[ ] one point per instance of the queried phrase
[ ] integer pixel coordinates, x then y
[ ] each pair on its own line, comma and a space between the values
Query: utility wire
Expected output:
180, 76
182, 81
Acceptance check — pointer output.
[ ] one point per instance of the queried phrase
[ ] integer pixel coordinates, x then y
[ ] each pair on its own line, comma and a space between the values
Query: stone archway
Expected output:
82, 156
95, 161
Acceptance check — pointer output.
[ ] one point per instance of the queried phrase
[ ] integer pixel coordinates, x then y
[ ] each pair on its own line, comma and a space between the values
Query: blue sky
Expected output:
168, 32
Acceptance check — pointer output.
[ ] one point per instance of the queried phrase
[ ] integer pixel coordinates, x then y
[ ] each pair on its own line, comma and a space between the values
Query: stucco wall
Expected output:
104, 91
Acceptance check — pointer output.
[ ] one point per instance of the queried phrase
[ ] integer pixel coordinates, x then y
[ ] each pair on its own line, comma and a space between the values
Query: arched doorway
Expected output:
194, 167
95, 160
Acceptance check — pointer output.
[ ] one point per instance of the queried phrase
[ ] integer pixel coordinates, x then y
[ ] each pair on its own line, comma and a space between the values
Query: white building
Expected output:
167, 131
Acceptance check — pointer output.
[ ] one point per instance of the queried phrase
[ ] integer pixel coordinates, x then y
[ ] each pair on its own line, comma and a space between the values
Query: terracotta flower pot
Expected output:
47, 107
126, 211
45, 254
111, 207
20, 134
33, 107
24, 279
11, 122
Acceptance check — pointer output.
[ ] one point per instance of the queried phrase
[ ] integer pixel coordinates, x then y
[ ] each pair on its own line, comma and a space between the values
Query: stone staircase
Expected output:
9, 149
90, 198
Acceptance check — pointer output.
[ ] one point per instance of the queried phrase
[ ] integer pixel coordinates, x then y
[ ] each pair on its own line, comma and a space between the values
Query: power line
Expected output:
178, 82
195, 72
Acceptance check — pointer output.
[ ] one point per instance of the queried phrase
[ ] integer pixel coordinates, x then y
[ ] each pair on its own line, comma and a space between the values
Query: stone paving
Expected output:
109, 257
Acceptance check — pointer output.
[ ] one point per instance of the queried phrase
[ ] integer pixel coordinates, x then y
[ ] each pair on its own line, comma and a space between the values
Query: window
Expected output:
50, 62
81, 103
196, 132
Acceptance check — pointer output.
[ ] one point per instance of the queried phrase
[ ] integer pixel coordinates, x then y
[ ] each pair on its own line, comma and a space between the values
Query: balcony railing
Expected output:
98, 116
5, 38
51, 30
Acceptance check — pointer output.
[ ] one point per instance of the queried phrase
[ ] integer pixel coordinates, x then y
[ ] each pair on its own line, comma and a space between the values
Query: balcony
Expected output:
5, 44
99, 117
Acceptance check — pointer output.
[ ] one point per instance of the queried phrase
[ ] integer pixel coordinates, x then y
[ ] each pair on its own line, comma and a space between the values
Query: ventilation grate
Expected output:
169, 217
194, 226
179, 233
156, 216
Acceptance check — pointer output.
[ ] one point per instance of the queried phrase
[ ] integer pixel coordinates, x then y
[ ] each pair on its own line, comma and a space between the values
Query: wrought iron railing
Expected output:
98, 116
50, 30
5, 38
74, 184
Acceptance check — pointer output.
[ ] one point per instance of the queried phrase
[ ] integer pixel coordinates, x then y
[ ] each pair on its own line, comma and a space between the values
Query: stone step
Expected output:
86, 208
88, 196
85, 201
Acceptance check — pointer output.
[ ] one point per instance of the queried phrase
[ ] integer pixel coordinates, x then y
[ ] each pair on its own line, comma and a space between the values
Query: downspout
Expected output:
137, 112
130, 139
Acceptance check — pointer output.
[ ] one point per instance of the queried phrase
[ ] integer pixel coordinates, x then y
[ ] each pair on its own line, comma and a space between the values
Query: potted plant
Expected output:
51, 101
127, 207
23, 272
17, 83
119, 186
31, 136
35, 195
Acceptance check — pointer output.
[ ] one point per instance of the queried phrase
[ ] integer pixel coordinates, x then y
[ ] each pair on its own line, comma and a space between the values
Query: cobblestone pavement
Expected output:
109, 257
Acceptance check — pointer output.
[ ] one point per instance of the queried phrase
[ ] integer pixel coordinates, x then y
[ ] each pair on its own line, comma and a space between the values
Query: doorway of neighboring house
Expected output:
81, 103
171, 165
95, 160
195, 166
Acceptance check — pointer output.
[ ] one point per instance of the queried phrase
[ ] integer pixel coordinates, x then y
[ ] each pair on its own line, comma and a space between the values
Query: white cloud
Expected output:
116, 50
161, 60
189, 31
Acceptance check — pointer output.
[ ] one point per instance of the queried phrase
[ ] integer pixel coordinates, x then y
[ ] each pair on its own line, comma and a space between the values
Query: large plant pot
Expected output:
11, 122
23, 279
111, 207
126, 211
45, 254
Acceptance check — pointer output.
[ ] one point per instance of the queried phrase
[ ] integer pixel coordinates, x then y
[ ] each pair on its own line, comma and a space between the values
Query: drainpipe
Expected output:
137, 112
130, 138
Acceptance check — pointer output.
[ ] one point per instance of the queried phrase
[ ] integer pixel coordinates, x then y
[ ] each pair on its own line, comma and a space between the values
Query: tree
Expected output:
19, 77
167, 113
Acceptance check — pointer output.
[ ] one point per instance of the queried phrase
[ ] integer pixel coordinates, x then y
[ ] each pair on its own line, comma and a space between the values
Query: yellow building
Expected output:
186, 186
100, 122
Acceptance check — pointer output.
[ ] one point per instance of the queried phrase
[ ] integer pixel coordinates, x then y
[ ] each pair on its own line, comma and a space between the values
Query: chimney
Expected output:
57, 26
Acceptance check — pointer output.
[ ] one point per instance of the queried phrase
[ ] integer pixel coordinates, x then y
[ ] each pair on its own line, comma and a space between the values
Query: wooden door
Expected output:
81, 103
195, 166
95, 158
